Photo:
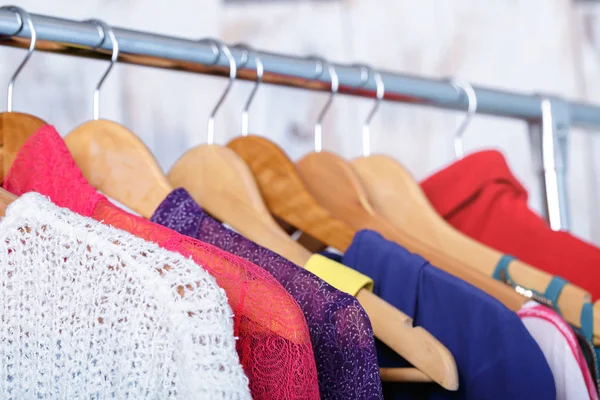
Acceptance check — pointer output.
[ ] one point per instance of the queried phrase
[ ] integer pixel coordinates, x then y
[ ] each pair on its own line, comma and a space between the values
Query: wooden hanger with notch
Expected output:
281, 187
222, 184
285, 194
113, 159
398, 198
272, 178
288, 199
335, 185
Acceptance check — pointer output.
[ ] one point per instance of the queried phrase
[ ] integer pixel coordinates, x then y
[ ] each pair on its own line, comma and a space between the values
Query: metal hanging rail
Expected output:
77, 38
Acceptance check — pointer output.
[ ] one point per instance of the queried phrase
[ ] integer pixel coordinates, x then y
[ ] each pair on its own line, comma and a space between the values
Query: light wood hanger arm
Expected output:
415, 344
286, 197
111, 157
403, 375
398, 198
117, 163
335, 185
223, 185
15, 129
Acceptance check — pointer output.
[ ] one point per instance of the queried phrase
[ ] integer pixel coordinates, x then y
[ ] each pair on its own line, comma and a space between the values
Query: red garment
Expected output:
274, 344
479, 196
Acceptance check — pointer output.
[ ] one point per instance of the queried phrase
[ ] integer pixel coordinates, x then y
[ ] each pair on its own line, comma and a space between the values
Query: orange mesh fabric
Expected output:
274, 343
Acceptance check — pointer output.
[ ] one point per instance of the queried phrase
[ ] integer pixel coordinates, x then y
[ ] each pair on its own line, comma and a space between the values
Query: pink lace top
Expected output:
274, 344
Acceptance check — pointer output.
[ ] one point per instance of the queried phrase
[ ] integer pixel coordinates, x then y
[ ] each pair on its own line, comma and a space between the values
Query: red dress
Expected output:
479, 196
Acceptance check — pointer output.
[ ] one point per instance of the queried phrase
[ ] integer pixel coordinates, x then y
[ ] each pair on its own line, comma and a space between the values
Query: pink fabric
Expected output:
274, 343
545, 313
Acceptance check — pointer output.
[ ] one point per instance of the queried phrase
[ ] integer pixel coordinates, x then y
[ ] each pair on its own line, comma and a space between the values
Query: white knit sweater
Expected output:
89, 311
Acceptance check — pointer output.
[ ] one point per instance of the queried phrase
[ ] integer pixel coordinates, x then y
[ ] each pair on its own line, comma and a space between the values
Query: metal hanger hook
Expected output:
259, 75
318, 131
23, 17
232, 75
380, 93
105, 31
467, 89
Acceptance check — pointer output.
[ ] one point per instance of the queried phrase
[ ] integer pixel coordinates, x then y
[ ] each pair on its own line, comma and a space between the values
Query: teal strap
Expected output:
501, 271
551, 293
553, 290
587, 321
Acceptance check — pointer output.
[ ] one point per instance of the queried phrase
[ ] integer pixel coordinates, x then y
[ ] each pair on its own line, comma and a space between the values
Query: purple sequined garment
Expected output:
340, 331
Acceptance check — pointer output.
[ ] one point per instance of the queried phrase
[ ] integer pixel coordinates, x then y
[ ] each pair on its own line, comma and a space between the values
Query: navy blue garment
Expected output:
496, 356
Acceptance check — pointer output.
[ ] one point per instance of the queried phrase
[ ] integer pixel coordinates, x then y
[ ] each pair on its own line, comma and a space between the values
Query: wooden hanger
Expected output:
286, 196
117, 163
277, 178
222, 184
288, 199
16, 128
398, 198
281, 187
415, 344
336, 186
113, 159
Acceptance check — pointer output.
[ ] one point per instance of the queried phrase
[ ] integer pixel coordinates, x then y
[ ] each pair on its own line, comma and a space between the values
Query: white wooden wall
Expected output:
524, 45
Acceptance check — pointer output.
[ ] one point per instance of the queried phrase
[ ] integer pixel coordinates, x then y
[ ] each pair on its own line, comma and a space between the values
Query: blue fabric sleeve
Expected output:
496, 356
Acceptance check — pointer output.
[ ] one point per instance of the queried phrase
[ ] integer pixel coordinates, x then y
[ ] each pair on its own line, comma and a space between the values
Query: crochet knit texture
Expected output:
274, 345
89, 311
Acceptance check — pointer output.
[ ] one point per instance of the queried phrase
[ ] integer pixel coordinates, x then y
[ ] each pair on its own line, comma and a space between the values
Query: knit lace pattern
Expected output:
89, 311
273, 343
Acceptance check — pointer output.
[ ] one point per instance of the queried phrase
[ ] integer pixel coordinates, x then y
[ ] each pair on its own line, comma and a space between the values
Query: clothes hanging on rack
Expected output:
274, 344
499, 360
204, 287
89, 310
341, 333
481, 197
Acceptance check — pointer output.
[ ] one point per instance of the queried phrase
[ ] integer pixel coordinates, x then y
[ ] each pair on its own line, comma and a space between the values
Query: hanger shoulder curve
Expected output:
15, 129
333, 183
395, 194
339, 189
338, 195
415, 344
285, 194
116, 162
222, 183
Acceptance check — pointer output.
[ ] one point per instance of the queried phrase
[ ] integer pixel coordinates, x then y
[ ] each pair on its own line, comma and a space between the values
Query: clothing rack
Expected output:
549, 131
